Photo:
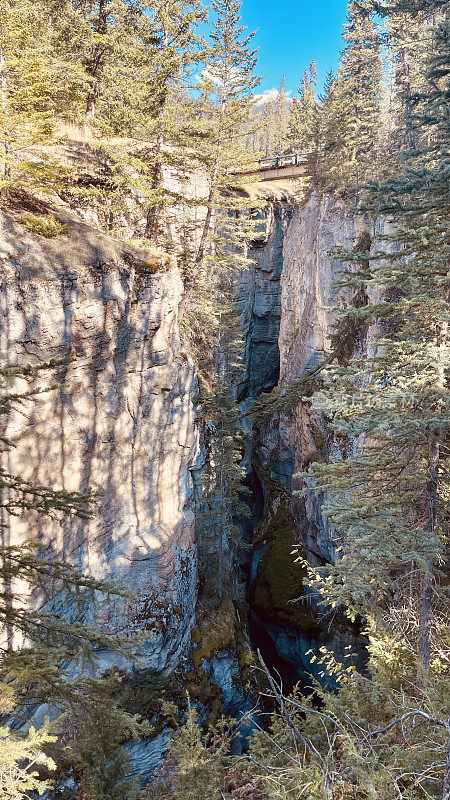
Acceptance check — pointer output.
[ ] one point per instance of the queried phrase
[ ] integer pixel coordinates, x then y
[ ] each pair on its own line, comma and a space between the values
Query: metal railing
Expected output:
283, 160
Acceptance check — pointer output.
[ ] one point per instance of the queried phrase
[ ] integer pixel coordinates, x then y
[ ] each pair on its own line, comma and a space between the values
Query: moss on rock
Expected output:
214, 632
196, 635
278, 591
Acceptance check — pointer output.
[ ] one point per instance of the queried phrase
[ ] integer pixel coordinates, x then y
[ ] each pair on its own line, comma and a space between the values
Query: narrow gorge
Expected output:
124, 424
224, 400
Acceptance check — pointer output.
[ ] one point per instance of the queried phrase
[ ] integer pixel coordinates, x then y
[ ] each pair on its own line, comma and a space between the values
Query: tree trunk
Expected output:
207, 222
212, 190
424, 646
91, 101
409, 129
220, 541
425, 627
152, 223
98, 55
431, 495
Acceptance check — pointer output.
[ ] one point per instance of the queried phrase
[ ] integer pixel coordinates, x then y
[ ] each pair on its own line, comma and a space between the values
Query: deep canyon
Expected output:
123, 422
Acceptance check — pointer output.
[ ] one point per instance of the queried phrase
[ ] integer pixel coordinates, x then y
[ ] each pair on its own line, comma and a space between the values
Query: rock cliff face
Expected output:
259, 301
318, 230
282, 624
121, 421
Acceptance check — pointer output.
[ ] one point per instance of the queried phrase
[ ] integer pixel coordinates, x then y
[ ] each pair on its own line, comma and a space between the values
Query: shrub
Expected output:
44, 226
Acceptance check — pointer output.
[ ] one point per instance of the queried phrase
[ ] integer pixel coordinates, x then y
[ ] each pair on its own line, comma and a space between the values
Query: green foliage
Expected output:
30, 79
162, 130
23, 760
350, 114
26, 564
45, 226
34, 670
226, 108
389, 495
304, 117
282, 118
197, 765
372, 739
97, 728
223, 492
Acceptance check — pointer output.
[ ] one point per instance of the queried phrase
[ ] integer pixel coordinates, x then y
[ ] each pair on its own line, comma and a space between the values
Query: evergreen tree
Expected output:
282, 117
25, 562
27, 88
353, 102
22, 755
304, 115
223, 490
268, 125
164, 124
369, 739
93, 35
36, 643
389, 495
198, 764
97, 727
407, 52
228, 83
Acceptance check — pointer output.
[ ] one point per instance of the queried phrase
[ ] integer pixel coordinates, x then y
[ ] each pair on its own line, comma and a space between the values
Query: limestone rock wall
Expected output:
318, 229
259, 300
121, 421
288, 629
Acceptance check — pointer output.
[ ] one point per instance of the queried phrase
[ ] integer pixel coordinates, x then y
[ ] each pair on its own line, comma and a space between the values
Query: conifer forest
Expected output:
224, 406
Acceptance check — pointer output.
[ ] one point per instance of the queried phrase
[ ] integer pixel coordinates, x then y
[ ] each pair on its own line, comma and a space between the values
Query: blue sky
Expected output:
292, 33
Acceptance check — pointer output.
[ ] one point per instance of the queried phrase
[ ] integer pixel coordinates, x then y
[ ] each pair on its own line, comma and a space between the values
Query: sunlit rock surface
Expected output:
121, 421
285, 444
318, 231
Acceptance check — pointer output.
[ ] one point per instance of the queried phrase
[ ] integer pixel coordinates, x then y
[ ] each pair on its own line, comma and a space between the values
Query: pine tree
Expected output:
353, 102
25, 562
282, 117
304, 115
37, 642
223, 490
268, 125
198, 764
369, 739
27, 84
22, 755
390, 494
407, 53
93, 35
96, 728
228, 83
164, 124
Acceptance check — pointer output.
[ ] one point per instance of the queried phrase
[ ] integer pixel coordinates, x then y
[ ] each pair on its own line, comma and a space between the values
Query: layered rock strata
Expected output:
121, 421
284, 623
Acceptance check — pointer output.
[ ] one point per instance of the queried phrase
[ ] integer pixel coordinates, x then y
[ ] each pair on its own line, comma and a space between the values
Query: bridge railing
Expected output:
283, 160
